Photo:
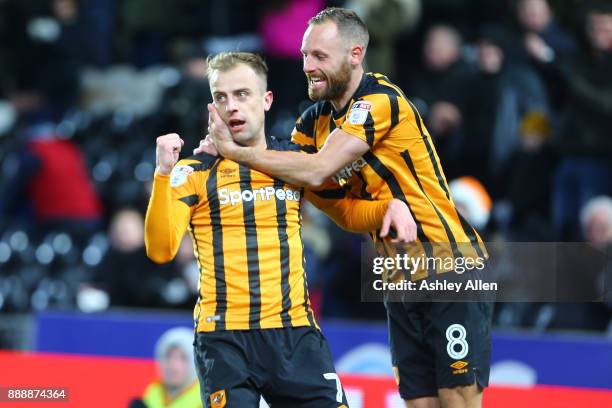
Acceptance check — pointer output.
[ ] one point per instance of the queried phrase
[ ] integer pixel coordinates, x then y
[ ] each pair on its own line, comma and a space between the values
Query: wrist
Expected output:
163, 171
393, 202
225, 149
235, 152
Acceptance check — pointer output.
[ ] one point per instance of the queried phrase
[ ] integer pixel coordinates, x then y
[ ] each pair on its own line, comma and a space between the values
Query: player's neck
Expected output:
354, 82
257, 142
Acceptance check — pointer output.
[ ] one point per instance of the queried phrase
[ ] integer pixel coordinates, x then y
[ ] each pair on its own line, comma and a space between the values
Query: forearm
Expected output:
300, 169
362, 215
163, 233
351, 214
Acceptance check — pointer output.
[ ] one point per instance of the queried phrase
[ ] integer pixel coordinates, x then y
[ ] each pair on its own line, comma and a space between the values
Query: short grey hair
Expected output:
594, 204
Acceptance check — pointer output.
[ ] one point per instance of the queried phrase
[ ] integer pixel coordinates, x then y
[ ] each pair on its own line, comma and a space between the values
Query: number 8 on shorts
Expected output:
455, 334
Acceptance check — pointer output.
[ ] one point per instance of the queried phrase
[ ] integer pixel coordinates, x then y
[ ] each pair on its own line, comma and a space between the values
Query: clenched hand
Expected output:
167, 152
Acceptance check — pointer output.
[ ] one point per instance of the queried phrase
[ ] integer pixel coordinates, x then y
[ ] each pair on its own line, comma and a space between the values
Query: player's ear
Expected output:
268, 98
356, 55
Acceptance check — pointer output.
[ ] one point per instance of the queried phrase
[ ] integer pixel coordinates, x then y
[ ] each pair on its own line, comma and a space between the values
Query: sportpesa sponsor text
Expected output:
233, 197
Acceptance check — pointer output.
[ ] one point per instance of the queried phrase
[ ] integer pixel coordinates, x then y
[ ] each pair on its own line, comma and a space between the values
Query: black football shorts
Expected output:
290, 367
439, 345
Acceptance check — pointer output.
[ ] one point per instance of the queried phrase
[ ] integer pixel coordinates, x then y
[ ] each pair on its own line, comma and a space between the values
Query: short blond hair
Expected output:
224, 61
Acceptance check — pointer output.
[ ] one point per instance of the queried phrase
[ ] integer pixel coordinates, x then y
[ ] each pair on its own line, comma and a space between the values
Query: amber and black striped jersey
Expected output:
402, 163
245, 227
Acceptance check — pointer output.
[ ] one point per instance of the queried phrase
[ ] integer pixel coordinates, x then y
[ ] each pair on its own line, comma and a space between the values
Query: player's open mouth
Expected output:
236, 125
317, 82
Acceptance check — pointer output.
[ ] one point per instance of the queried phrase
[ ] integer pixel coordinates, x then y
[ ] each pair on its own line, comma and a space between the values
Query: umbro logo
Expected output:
227, 172
459, 367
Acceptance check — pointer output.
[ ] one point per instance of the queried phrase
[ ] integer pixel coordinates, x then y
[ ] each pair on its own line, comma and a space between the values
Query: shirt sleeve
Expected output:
350, 213
372, 117
173, 200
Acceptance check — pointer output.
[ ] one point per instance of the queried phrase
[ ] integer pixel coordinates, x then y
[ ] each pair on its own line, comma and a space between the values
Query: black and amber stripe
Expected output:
217, 244
252, 250
397, 192
284, 257
197, 314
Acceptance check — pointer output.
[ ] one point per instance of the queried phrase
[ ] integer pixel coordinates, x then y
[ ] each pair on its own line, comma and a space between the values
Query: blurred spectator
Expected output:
596, 221
52, 184
333, 269
317, 250
49, 42
85, 33
8, 117
178, 386
500, 96
544, 41
128, 275
189, 269
386, 20
440, 91
145, 34
99, 16
585, 145
543, 36
529, 178
467, 15
183, 106
595, 268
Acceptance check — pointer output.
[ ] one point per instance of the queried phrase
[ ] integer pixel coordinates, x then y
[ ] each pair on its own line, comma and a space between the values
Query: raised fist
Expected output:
167, 152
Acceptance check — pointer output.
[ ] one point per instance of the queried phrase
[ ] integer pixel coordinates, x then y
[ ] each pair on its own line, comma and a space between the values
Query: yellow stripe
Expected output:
207, 287
269, 259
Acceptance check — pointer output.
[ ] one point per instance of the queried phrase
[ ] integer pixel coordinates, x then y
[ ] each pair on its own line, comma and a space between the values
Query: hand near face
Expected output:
206, 146
219, 133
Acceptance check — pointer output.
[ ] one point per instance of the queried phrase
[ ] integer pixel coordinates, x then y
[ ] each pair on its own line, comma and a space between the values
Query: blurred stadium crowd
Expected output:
516, 93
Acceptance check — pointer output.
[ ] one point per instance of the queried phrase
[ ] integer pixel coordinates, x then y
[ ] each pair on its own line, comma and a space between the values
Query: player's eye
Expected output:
242, 94
219, 98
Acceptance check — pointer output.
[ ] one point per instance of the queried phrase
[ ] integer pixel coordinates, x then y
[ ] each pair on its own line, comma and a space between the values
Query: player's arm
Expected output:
357, 215
350, 213
306, 170
167, 216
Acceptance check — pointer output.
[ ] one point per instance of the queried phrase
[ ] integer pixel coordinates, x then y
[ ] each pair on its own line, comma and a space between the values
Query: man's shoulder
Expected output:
193, 166
199, 162
377, 85
306, 122
315, 110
